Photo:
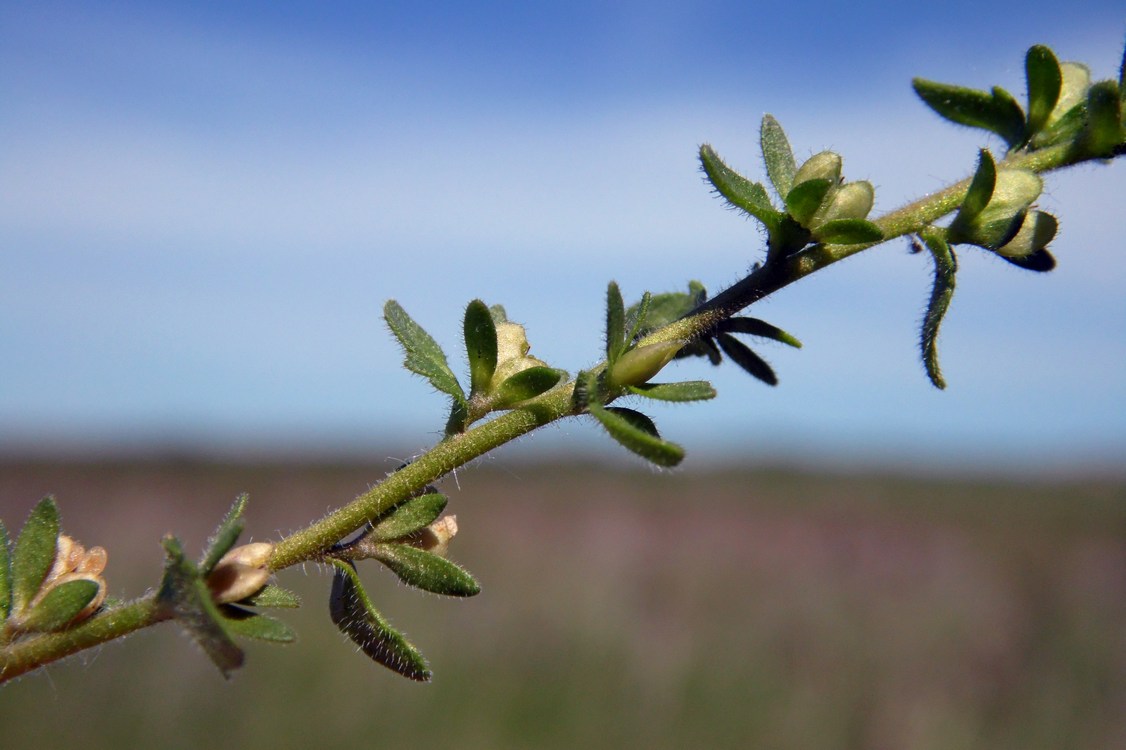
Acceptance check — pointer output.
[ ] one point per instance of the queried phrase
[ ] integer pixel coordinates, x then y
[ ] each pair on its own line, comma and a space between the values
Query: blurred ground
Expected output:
733, 608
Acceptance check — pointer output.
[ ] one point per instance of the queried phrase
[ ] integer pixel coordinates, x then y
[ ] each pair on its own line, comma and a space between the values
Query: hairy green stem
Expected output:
27, 654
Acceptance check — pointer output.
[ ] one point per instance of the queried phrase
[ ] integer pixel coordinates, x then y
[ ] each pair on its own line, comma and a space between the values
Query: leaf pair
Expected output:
402, 539
502, 376
185, 594
1063, 106
816, 205
48, 582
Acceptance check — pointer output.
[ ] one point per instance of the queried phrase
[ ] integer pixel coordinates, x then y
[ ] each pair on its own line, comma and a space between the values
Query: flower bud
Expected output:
240, 573
638, 365
512, 353
1075, 80
1034, 234
852, 200
823, 166
436, 537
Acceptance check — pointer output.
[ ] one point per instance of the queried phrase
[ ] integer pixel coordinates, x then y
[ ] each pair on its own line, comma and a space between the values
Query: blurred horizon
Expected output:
203, 208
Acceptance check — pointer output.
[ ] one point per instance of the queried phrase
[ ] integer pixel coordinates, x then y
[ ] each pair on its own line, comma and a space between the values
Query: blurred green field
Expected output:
760, 609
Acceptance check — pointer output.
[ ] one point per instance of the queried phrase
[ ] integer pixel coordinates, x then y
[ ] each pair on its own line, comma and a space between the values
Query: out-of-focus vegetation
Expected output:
627, 609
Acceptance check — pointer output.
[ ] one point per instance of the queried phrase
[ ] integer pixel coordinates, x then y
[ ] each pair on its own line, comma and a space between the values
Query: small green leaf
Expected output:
741, 355
525, 385
805, 198
225, 536
184, 593
423, 355
779, 157
739, 191
352, 611
409, 517
615, 323
274, 597
481, 345
689, 390
981, 188
756, 327
636, 317
997, 112
636, 432
426, 571
243, 622
669, 306
1104, 131
34, 553
848, 232
59, 606
945, 266
1042, 71
5, 576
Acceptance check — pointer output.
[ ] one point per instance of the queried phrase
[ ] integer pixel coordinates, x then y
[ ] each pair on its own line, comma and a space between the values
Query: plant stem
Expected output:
27, 654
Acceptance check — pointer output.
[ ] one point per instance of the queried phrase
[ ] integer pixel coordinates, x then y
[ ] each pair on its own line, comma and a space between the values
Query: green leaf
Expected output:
997, 112
1040, 261
805, 198
1104, 131
669, 306
739, 191
274, 597
945, 266
34, 553
615, 323
409, 517
5, 576
756, 327
741, 355
848, 232
423, 355
59, 606
636, 432
1042, 71
352, 611
525, 385
481, 345
779, 157
426, 571
185, 595
689, 390
225, 536
636, 317
247, 624
981, 188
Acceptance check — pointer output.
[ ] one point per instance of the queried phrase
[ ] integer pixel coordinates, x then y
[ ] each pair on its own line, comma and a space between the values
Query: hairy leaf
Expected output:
779, 157
352, 611
185, 594
995, 111
756, 327
1042, 71
945, 266
636, 432
739, 191
243, 622
34, 553
409, 517
275, 597
805, 198
225, 536
689, 390
59, 606
848, 232
423, 355
1104, 120
481, 345
741, 355
426, 571
525, 385
981, 188
615, 323
636, 317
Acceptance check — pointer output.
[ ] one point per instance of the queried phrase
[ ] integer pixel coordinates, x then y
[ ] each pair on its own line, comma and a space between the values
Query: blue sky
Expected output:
203, 207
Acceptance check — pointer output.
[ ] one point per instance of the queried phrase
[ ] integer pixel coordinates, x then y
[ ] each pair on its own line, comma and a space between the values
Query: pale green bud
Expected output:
1076, 79
638, 365
512, 353
1035, 233
823, 166
852, 200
